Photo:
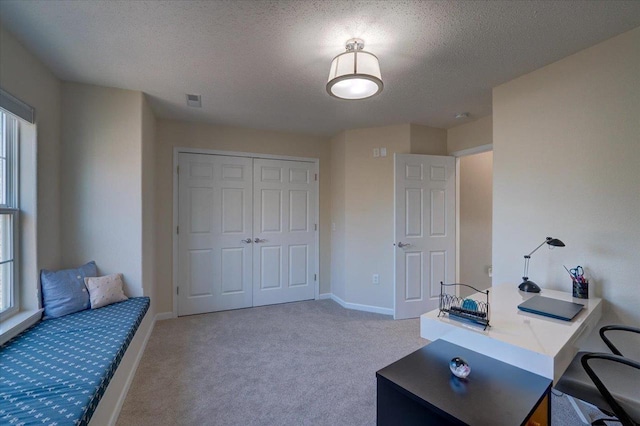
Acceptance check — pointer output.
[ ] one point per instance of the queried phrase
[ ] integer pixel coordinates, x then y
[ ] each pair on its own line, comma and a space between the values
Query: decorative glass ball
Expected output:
459, 367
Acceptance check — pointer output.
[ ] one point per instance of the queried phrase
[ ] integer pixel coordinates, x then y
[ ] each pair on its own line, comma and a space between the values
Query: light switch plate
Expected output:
383, 152
376, 152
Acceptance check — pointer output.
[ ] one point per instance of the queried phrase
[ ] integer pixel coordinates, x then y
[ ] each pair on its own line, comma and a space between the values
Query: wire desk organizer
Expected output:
476, 311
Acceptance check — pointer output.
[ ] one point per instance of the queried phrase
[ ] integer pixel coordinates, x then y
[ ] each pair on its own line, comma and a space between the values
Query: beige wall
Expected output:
476, 200
102, 180
428, 140
475, 197
170, 134
25, 77
28, 270
338, 210
369, 213
363, 207
470, 135
148, 201
566, 156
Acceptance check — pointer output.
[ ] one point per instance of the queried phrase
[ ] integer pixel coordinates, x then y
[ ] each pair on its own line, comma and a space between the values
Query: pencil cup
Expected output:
581, 289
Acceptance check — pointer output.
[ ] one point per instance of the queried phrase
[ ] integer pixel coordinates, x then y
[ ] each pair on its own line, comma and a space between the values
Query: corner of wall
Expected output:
470, 135
368, 212
101, 167
148, 146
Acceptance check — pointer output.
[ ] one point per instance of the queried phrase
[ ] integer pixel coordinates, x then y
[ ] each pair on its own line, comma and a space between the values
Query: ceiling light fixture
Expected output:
462, 115
354, 74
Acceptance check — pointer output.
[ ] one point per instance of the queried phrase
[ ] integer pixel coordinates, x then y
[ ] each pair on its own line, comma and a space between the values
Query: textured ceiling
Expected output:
264, 64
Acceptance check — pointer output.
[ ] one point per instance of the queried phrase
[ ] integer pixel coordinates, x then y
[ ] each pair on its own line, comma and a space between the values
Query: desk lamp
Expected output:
530, 286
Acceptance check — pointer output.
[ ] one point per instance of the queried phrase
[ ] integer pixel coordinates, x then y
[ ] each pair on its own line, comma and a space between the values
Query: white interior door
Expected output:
424, 231
215, 230
284, 224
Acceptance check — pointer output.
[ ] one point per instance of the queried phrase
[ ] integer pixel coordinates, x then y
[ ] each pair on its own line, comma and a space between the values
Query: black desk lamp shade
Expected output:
530, 286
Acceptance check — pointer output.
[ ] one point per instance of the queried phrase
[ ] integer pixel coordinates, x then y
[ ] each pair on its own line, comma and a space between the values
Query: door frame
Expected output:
184, 150
458, 154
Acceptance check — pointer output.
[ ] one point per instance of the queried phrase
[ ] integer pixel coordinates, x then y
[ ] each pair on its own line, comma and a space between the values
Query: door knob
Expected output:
401, 244
258, 240
247, 241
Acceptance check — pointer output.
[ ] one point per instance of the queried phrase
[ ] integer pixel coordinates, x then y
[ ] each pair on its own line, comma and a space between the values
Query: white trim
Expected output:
317, 173
177, 150
395, 236
161, 316
359, 307
111, 403
458, 225
474, 150
176, 160
11, 327
463, 153
174, 235
582, 413
324, 296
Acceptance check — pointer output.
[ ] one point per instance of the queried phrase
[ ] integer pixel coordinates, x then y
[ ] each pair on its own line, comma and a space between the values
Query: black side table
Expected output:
419, 389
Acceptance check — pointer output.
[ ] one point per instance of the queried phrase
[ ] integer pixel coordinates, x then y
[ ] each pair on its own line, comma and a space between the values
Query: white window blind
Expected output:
9, 213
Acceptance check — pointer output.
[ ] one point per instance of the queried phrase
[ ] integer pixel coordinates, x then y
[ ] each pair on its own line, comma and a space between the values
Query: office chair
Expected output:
587, 374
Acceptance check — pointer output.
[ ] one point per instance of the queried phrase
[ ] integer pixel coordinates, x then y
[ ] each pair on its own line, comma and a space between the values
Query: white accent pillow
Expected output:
105, 290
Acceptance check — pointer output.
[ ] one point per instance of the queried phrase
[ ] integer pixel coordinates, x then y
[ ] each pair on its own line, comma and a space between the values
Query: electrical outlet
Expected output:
383, 152
376, 279
490, 270
376, 152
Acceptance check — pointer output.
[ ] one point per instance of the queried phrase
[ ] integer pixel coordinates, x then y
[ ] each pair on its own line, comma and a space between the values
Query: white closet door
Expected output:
284, 222
215, 231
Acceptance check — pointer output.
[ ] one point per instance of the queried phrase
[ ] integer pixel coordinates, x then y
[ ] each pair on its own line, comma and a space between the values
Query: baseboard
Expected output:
359, 307
161, 316
324, 296
108, 410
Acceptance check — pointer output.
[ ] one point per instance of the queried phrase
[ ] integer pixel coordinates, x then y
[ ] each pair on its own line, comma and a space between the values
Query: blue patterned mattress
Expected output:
56, 372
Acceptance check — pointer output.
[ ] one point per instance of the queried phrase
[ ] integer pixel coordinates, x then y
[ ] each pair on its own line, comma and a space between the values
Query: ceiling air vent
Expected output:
194, 101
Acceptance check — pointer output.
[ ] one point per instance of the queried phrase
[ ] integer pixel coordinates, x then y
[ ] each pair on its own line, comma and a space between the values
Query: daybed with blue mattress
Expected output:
56, 372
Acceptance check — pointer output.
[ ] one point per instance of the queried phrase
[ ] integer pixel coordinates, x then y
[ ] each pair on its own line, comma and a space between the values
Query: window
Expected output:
9, 214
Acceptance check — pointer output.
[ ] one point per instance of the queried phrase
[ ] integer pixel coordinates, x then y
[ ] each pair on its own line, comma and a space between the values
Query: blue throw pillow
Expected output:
64, 292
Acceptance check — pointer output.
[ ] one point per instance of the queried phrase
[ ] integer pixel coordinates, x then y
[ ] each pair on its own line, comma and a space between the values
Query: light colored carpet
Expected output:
304, 363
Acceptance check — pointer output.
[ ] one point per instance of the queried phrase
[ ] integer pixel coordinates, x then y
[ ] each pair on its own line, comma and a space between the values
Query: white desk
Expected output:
539, 344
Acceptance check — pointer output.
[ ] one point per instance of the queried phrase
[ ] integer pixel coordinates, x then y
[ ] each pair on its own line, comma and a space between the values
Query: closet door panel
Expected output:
215, 254
284, 231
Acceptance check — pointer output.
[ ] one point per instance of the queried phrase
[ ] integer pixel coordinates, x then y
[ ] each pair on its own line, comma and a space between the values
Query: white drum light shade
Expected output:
354, 74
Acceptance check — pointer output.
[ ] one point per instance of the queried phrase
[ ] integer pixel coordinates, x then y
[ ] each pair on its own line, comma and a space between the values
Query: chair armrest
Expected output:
606, 328
622, 415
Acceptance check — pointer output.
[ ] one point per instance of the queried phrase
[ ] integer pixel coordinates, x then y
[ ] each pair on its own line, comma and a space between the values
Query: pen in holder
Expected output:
580, 283
581, 288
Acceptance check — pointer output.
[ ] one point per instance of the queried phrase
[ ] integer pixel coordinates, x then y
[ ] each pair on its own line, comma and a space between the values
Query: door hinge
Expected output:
316, 177
315, 226
315, 277
178, 290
